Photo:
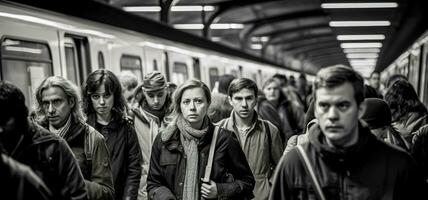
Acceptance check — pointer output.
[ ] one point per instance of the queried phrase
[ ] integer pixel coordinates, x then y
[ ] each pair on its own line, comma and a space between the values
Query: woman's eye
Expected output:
107, 96
95, 96
186, 102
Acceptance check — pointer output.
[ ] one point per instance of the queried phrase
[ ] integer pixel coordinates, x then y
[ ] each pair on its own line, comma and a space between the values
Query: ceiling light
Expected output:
256, 46
363, 50
361, 45
358, 23
173, 8
359, 5
142, 8
361, 37
260, 39
362, 61
212, 26
188, 26
362, 55
215, 39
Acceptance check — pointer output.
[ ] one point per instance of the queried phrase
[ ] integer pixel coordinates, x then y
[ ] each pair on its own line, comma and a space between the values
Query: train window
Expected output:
25, 64
179, 73
213, 72
155, 65
197, 68
76, 50
132, 64
101, 63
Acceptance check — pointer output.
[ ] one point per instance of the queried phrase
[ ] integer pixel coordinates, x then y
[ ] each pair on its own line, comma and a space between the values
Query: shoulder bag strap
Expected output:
208, 168
310, 170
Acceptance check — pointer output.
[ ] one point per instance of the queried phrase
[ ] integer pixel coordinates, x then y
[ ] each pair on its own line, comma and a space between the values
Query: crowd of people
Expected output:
115, 138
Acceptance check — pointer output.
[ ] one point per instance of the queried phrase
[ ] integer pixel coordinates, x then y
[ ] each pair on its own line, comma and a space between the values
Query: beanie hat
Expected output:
153, 81
377, 113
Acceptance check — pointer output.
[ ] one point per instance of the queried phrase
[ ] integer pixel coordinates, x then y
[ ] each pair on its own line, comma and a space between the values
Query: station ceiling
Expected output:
303, 34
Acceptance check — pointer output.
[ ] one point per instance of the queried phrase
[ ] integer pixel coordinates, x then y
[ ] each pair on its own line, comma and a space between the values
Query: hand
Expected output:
209, 190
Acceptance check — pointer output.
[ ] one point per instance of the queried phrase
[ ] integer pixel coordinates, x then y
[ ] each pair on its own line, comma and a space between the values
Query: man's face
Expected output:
243, 103
156, 99
272, 91
337, 113
194, 106
56, 106
128, 94
375, 80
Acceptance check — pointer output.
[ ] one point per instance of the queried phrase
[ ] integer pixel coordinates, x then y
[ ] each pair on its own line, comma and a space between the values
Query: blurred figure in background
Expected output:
220, 107
259, 139
47, 154
149, 117
104, 105
129, 82
180, 154
374, 82
377, 115
291, 113
58, 109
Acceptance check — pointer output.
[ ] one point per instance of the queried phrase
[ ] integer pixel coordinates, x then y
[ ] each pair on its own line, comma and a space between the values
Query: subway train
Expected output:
413, 64
37, 43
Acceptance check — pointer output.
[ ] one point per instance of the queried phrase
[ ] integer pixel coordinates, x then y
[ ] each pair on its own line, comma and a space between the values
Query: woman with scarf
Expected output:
180, 154
104, 105
154, 102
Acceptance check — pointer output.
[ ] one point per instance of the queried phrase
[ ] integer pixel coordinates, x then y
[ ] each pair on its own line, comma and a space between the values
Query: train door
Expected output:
25, 63
77, 62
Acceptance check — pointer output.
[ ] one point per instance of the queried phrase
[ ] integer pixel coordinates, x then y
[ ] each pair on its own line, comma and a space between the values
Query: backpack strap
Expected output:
89, 142
208, 168
309, 169
269, 136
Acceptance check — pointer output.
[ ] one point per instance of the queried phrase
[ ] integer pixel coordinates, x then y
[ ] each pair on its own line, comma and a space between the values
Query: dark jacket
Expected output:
268, 112
125, 155
168, 166
370, 169
52, 160
292, 118
19, 182
419, 150
93, 158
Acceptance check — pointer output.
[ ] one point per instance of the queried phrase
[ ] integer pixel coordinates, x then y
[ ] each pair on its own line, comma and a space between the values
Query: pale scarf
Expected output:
61, 131
190, 138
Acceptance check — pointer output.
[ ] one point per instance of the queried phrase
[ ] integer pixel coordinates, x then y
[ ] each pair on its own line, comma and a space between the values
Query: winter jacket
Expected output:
262, 153
410, 124
369, 169
147, 128
419, 150
19, 182
52, 160
230, 170
125, 156
292, 118
93, 159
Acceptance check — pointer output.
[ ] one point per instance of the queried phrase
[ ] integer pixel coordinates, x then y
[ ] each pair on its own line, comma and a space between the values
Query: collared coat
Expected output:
52, 160
125, 156
261, 155
168, 167
95, 170
369, 169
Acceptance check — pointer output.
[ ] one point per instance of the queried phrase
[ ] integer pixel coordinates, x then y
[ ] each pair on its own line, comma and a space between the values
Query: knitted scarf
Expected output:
190, 138
158, 113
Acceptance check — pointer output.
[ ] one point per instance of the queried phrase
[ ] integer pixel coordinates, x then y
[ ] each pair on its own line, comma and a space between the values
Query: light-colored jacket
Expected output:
261, 156
147, 127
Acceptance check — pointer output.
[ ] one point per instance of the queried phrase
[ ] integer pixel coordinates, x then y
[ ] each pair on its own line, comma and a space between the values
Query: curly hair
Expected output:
402, 99
112, 86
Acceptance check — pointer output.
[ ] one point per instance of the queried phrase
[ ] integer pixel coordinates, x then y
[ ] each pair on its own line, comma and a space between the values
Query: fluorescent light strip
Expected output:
364, 50
362, 55
361, 37
359, 5
213, 26
361, 45
261, 39
173, 8
215, 39
256, 46
358, 23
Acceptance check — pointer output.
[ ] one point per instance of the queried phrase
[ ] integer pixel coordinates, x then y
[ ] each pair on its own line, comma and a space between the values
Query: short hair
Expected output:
12, 103
224, 83
242, 83
70, 90
334, 76
282, 78
190, 84
128, 80
112, 86
402, 99
282, 96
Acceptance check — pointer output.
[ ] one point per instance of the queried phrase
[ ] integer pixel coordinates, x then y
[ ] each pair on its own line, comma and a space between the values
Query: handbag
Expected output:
309, 169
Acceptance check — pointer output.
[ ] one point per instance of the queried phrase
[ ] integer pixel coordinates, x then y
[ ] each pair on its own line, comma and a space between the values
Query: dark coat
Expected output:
370, 169
420, 149
19, 182
168, 166
125, 156
52, 160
